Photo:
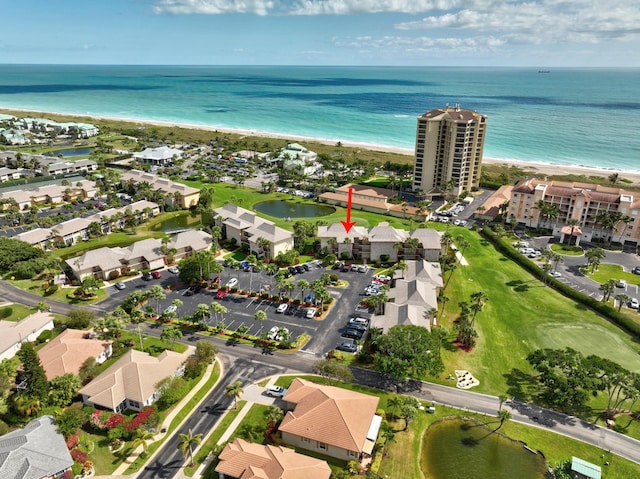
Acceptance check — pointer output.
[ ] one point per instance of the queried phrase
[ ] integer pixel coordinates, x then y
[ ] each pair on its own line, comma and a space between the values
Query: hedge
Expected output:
599, 307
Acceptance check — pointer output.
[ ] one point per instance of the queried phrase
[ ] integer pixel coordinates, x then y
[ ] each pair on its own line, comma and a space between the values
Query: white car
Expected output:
282, 308
634, 303
232, 282
274, 333
173, 270
311, 313
555, 274
171, 309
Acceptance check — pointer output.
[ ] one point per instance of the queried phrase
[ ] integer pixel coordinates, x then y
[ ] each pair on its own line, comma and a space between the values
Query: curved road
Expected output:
246, 364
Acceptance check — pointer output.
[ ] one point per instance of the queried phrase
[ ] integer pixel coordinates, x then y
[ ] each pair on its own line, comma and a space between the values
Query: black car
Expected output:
300, 269
291, 310
306, 267
338, 265
293, 270
345, 268
352, 333
287, 273
348, 347
147, 276
356, 326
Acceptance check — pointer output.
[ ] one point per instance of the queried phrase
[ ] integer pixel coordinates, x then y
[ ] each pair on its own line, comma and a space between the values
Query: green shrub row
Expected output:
599, 307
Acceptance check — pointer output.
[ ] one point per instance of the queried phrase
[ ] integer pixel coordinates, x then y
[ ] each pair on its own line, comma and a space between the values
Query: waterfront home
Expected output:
176, 193
161, 156
331, 421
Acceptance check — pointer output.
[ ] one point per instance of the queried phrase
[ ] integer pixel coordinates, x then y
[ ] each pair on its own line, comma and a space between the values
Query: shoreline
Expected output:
539, 167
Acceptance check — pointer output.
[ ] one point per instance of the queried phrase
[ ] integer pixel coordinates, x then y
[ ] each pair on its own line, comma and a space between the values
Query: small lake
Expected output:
72, 152
287, 209
181, 220
459, 449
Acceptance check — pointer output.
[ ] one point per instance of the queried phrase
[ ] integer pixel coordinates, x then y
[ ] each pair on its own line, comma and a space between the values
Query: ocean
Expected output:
577, 117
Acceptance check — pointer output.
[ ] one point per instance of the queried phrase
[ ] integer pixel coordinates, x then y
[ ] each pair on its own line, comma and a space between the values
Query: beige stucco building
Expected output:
449, 147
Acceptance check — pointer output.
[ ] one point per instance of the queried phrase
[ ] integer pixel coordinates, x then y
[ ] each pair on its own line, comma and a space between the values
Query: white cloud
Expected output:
545, 21
214, 7
412, 45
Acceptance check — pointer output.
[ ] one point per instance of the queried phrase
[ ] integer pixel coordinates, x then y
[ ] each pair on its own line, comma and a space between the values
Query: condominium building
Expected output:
448, 154
586, 211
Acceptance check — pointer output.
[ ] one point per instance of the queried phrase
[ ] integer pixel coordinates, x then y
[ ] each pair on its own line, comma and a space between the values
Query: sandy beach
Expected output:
541, 168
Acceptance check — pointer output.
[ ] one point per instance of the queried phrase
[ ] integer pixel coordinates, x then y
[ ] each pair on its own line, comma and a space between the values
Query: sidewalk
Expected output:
166, 423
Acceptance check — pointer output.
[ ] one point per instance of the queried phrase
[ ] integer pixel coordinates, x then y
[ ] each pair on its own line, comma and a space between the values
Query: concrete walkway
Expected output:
166, 423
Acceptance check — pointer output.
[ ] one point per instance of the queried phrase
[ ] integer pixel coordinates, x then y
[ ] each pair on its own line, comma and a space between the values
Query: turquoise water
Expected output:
286, 209
585, 117
459, 449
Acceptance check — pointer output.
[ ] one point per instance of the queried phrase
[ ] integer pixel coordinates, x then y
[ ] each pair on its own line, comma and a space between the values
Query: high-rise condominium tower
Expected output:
449, 144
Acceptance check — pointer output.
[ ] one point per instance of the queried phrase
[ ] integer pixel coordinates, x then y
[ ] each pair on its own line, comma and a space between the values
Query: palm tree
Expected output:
479, 299
504, 416
302, 285
142, 438
402, 266
394, 402
201, 312
260, 316
157, 293
187, 441
235, 391
170, 333
622, 298
574, 223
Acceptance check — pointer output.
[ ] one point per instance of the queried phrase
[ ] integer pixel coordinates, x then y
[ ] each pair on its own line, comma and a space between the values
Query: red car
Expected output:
156, 274
221, 294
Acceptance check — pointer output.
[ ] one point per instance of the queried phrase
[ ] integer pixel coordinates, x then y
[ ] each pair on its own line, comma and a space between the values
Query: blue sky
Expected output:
323, 32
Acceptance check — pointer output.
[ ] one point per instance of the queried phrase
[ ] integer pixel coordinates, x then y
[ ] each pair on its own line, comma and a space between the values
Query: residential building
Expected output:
37, 451
51, 194
71, 231
38, 237
132, 381
161, 156
243, 460
584, 211
490, 209
14, 333
375, 200
413, 297
328, 420
248, 229
7, 174
68, 351
66, 167
188, 242
176, 193
380, 242
99, 263
297, 157
449, 149
581, 469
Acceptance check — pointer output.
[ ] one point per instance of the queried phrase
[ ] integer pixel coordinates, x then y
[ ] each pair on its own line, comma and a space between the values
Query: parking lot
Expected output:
325, 334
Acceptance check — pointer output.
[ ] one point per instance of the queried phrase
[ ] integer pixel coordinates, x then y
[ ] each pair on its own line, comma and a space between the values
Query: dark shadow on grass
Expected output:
520, 385
518, 286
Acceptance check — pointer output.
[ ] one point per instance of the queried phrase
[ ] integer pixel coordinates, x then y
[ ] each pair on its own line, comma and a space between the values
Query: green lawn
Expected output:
520, 316
15, 312
62, 294
568, 250
607, 271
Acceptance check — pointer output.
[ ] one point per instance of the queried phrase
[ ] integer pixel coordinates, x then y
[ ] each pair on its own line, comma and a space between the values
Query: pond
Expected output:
460, 449
72, 152
287, 209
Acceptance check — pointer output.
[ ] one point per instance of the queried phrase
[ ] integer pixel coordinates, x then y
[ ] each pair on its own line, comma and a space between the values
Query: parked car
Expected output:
555, 274
621, 283
221, 294
354, 267
634, 303
306, 267
357, 326
345, 268
293, 270
173, 270
232, 282
362, 269
274, 333
636, 270
156, 274
171, 309
189, 292
348, 347
147, 276
359, 320
120, 285
300, 269
311, 313
275, 391
282, 308
352, 333
338, 265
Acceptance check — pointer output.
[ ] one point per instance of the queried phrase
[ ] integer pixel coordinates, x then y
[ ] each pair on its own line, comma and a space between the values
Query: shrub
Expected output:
72, 441
80, 318
384, 258
51, 289
333, 278
78, 456
114, 274
44, 336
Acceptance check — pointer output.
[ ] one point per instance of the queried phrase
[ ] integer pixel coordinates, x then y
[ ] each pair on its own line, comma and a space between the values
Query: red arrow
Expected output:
348, 224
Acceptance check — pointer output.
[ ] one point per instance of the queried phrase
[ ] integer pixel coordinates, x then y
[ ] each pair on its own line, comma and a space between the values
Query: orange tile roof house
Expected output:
131, 382
70, 349
330, 420
244, 460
